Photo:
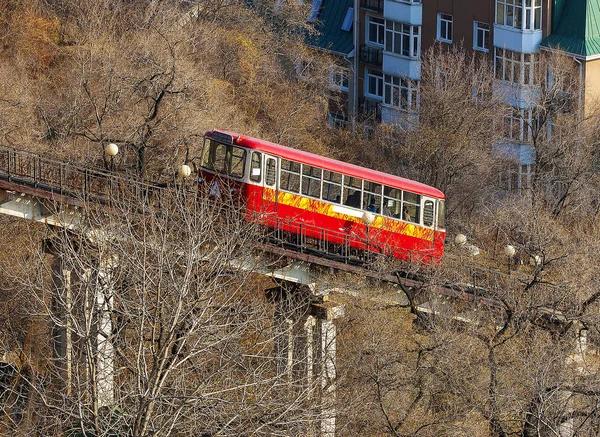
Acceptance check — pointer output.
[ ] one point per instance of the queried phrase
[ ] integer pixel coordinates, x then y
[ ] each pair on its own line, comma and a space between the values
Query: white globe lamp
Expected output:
184, 170
460, 240
368, 218
111, 149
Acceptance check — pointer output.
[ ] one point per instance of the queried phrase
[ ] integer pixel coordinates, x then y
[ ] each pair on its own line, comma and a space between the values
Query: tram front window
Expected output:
224, 159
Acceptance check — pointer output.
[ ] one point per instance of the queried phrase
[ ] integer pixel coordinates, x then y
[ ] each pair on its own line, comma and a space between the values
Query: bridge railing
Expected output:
73, 181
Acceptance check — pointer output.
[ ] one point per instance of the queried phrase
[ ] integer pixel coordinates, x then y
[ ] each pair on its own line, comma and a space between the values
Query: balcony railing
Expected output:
370, 109
371, 55
372, 5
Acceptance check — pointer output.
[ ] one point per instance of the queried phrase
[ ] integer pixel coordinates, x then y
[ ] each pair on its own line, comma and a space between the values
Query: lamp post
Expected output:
111, 150
368, 218
509, 251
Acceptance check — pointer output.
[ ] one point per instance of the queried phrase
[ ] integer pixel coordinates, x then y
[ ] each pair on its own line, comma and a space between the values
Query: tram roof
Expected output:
331, 164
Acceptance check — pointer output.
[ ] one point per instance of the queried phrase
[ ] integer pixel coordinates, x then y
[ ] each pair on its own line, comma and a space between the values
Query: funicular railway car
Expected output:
324, 205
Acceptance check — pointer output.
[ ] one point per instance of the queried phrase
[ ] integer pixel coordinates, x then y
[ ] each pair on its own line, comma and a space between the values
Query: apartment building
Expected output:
389, 37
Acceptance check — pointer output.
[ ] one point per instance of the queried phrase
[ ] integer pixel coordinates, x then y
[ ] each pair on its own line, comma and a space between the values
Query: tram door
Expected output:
270, 198
429, 214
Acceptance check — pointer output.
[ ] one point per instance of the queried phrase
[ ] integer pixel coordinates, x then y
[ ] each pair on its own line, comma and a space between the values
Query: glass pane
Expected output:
500, 13
537, 25
352, 197
311, 187
270, 177
332, 176
255, 175
428, 213
238, 162
332, 192
220, 158
441, 218
372, 203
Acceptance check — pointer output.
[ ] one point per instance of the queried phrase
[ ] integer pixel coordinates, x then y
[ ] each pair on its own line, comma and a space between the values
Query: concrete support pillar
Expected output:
305, 351
82, 328
62, 330
328, 378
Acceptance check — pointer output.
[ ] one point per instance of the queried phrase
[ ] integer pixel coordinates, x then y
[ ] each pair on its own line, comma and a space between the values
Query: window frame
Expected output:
402, 39
380, 26
485, 33
521, 66
525, 16
339, 78
404, 86
445, 23
378, 77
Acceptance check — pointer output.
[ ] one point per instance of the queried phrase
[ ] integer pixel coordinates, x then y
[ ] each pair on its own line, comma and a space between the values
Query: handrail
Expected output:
63, 177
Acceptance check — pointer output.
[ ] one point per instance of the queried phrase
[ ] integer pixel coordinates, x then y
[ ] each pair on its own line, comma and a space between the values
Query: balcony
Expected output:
372, 5
407, 12
401, 66
522, 41
370, 109
371, 55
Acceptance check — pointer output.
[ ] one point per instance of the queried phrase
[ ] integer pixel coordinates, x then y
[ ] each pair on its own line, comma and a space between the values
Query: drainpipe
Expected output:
580, 96
356, 34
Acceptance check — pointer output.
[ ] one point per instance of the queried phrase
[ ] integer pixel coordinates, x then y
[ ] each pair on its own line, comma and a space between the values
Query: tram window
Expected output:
225, 159
238, 162
352, 191
270, 172
218, 158
392, 202
372, 197
255, 167
311, 181
441, 217
332, 186
290, 176
428, 213
411, 211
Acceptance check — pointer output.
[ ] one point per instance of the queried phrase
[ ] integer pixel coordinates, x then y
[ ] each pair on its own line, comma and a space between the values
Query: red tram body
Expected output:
326, 201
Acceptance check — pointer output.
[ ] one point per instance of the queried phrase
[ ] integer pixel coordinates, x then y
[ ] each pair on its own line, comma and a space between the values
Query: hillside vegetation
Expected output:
152, 76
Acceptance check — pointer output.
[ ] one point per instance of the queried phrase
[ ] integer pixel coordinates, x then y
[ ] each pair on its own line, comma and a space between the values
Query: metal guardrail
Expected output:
56, 178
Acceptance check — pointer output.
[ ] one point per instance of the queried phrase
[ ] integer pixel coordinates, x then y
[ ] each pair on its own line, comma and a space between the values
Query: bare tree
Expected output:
160, 327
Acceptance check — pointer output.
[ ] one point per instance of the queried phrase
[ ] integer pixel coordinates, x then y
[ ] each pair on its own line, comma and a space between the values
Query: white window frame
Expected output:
379, 24
481, 33
515, 67
517, 126
524, 15
339, 78
400, 93
337, 121
444, 27
378, 78
402, 39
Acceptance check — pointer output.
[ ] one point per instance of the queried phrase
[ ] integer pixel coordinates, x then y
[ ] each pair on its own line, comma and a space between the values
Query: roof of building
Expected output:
328, 24
576, 27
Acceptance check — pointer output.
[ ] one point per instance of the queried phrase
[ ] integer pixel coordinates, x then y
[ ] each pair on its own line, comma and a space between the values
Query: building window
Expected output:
400, 93
303, 69
375, 30
481, 36
374, 84
337, 120
515, 67
519, 14
444, 27
402, 39
518, 126
338, 78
